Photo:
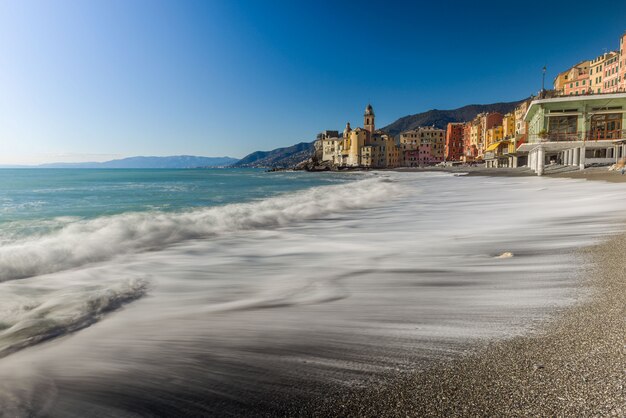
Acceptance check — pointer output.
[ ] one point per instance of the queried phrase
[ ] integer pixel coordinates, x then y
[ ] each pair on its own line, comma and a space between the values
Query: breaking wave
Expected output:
101, 239
25, 322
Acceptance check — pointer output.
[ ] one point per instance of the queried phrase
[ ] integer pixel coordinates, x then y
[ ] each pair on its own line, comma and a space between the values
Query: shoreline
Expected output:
574, 364
590, 173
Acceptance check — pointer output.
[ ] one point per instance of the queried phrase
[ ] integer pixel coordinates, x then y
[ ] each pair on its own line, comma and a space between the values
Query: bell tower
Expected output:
368, 119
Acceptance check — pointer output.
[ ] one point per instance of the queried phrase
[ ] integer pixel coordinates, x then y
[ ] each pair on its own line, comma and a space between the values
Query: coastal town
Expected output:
579, 123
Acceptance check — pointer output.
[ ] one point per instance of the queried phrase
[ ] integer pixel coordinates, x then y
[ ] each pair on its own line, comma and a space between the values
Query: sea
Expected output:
216, 292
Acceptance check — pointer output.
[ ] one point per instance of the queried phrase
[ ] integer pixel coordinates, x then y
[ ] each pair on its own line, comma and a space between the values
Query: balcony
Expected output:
596, 135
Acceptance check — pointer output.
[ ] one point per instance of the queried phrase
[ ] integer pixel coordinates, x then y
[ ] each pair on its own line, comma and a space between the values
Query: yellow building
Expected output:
493, 135
596, 71
361, 147
380, 152
508, 125
560, 80
476, 135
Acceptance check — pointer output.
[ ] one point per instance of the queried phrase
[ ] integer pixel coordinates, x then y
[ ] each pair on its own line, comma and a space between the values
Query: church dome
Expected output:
347, 131
369, 110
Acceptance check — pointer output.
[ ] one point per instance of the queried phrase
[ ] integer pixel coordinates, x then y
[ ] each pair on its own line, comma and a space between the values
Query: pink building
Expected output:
611, 74
621, 78
577, 80
470, 152
421, 156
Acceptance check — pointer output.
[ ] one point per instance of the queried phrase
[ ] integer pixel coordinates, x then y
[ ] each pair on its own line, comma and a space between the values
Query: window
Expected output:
606, 126
561, 125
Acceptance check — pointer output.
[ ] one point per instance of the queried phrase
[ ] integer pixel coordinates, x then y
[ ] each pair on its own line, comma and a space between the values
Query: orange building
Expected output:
470, 152
577, 79
454, 141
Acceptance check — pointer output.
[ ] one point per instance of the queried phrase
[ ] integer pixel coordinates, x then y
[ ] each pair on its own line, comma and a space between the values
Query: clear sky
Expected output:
94, 80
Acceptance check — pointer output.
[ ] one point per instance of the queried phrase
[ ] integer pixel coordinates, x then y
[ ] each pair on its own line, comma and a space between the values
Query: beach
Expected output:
572, 365
358, 294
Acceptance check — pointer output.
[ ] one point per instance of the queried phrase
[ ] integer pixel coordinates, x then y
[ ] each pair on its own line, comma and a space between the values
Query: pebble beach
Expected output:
573, 364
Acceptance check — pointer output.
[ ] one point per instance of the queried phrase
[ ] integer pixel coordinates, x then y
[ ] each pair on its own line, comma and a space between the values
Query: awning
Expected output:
495, 145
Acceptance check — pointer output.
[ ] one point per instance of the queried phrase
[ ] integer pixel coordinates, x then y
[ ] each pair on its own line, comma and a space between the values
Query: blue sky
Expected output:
94, 80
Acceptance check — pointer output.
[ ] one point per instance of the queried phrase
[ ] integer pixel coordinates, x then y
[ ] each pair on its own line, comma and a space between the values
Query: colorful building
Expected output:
575, 131
577, 79
596, 71
559, 81
485, 121
422, 146
493, 135
621, 79
508, 125
470, 152
454, 141
611, 74
360, 147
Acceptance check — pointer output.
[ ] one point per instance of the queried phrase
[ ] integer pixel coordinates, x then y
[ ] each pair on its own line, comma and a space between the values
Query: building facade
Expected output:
424, 145
596, 71
577, 79
621, 79
576, 131
455, 141
611, 74
361, 147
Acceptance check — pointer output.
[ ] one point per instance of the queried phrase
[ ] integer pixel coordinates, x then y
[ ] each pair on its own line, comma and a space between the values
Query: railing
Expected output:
561, 93
596, 135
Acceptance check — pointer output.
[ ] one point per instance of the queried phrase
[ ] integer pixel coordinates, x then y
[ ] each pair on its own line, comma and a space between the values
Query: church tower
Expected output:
368, 119
346, 132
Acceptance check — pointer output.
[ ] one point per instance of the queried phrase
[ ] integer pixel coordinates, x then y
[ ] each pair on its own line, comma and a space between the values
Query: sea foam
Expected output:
100, 239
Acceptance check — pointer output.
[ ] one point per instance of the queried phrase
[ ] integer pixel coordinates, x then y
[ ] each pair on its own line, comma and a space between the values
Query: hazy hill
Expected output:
280, 157
441, 118
176, 161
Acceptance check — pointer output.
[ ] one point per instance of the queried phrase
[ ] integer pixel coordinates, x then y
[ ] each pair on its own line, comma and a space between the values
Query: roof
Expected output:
535, 104
560, 146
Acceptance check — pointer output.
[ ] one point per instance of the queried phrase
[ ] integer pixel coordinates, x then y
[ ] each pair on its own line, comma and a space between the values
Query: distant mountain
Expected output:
441, 118
278, 158
177, 161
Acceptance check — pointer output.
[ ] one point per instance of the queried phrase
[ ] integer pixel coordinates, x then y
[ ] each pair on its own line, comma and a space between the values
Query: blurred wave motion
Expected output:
129, 300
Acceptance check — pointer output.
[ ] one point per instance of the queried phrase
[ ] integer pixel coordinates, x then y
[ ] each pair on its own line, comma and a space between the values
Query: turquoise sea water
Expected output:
36, 200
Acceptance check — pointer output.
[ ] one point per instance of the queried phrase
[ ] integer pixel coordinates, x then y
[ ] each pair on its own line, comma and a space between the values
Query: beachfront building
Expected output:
476, 138
454, 141
479, 132
469, 151
501, 148
575, 131
360, 147
508, 125
380, 151
422, 146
